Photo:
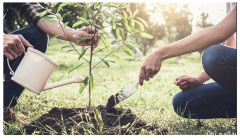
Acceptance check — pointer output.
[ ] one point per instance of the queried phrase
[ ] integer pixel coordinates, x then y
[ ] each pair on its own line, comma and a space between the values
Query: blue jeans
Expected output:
37, 38
216, 99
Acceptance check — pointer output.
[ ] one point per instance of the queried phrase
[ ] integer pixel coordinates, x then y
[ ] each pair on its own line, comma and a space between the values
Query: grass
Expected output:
152, 101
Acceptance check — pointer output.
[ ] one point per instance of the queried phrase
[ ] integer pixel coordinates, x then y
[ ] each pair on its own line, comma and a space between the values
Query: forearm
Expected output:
53, 29
202, 39
195, 42
203, 77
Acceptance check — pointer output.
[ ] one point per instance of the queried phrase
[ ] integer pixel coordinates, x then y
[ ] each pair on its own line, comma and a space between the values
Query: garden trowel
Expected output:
122, 95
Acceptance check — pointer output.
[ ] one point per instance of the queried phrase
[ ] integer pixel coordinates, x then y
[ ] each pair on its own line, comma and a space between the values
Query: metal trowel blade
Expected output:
122, 95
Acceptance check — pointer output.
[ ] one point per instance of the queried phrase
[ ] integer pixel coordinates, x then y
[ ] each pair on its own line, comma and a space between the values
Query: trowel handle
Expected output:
136, 83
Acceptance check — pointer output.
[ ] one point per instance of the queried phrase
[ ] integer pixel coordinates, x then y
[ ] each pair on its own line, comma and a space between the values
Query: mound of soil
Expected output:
96, 121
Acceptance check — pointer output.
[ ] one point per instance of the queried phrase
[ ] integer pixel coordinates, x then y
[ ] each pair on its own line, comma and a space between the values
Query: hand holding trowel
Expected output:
122, 95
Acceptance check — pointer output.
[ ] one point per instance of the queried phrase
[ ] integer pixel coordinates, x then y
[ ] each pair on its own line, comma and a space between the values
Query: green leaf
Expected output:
113, 42
112, 62
114, 26
143, 21
137, 49
136, 45
86, 81
132, 22
113, 5
105, 62
50, 19
104, 40
95, 5
104, 31
62, 5
146, 35
124, 14
65, 14
80, 56
81, 89
59, 16
64, 47
65, 24
42, 13
90, 11
70, 50
107, 15
75, 67
128, 27
100, 15
119, 37
117, 57
56, 36
77, 23
130, 12
112, 16
129, 51
129, 43
135, 12
81, 39
121, 29
140, 25
80, 6
84, 20
125, 5
91, 81
98, 26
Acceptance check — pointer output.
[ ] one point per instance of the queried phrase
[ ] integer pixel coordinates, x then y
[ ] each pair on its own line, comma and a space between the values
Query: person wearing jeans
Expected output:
212, 100
197, 100
36, 36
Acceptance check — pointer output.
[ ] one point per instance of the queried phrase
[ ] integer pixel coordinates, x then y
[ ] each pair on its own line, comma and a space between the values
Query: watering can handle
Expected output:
11, 71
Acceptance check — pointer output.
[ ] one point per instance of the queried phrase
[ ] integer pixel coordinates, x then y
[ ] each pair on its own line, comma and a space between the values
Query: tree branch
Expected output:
103, 58
69, 39
112, 44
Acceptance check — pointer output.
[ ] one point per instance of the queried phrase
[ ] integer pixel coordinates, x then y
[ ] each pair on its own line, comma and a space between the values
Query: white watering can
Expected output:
34, 71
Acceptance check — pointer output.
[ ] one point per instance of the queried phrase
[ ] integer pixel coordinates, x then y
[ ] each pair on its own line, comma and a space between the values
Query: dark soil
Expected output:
97, 121
112, 101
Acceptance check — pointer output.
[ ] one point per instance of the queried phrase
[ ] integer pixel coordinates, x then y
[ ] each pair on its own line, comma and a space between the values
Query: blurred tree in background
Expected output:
202, 23
155, 29
177, 21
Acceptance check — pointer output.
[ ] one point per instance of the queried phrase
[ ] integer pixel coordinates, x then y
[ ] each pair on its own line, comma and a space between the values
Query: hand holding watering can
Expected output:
34, 71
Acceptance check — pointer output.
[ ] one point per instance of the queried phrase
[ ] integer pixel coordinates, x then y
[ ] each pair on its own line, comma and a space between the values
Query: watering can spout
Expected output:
74, 79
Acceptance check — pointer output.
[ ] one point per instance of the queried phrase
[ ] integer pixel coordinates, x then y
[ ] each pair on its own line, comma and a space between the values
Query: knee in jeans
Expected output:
39, 32
210, 59
179, 104
41, 37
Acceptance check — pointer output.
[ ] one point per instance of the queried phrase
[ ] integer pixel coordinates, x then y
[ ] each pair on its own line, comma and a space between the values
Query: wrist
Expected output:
200, 80
71, 34
162, 55
203, 77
